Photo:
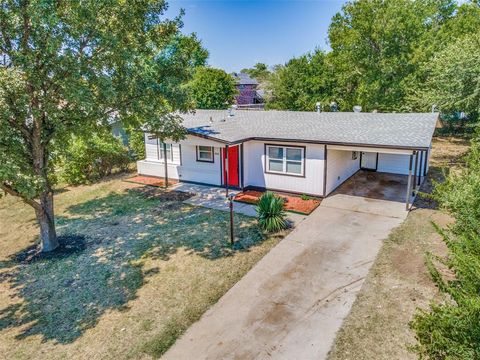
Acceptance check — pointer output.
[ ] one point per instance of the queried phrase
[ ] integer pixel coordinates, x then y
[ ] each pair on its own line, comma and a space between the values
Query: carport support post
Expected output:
416, 171
409, 183
226, 171
165, 162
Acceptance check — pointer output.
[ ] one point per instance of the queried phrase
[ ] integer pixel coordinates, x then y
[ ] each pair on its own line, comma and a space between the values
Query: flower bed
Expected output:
292, 203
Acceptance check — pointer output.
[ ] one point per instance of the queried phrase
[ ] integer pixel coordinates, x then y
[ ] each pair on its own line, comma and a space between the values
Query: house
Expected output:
248, 93
297, 152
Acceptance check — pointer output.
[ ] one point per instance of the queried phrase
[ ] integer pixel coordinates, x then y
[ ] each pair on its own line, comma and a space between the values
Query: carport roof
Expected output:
392, 130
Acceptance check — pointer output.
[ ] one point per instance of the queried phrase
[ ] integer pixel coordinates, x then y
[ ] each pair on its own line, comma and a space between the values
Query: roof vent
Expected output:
231, 110
357, 108
333, 106
318, 106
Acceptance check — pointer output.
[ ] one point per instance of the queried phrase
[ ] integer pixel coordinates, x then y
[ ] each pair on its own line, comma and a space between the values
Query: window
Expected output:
205, 153
285, 160
161, 154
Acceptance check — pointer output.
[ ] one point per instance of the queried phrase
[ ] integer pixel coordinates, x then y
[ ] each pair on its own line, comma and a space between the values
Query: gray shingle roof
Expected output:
395, 130
244, 79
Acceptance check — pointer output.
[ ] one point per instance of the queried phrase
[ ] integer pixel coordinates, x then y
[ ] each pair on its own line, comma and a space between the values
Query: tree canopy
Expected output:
212, 88
69, 67
301, 83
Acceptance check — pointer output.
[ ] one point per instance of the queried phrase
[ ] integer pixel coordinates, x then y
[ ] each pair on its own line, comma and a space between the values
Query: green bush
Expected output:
89, 158
451, 329
270, 212
137, 144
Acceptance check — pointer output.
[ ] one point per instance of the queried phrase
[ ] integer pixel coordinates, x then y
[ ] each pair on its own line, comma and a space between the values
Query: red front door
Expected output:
233, 173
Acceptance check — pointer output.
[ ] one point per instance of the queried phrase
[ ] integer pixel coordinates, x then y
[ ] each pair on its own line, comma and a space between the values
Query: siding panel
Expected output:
254, 168
340, 166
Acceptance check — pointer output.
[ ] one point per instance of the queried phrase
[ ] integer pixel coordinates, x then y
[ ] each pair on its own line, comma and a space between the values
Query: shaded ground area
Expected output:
302, 205
399, 282
137, 266
375, 185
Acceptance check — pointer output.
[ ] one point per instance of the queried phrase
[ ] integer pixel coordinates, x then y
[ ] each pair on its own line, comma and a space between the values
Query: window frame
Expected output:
160, 155
284, 159
212, 151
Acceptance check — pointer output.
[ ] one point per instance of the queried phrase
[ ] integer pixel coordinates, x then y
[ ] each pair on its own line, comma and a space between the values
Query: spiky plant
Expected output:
270, 212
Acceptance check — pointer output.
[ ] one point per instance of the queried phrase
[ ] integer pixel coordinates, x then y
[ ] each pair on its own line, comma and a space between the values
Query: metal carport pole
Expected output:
226, 170
409, 183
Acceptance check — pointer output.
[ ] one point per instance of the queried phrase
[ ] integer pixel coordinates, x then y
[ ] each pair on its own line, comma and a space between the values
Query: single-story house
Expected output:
308, 153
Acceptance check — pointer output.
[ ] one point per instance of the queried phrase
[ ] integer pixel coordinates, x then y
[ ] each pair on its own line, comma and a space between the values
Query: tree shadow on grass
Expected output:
100, 263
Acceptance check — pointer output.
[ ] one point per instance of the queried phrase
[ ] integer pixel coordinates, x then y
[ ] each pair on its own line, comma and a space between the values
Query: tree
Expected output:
212, 88
301, 83
259, 72
453, 83
374, 43
69, 67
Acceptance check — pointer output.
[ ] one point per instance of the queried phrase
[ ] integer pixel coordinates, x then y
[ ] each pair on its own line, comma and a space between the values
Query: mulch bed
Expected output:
292, 203
151, 180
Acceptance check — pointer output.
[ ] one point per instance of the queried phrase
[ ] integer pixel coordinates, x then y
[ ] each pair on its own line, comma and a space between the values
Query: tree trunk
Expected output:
45, 218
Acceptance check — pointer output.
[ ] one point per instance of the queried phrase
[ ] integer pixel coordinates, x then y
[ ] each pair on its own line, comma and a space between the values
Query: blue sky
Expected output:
239, 33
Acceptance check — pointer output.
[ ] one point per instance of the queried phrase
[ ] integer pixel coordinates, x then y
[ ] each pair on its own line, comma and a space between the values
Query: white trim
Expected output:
285, 160
210, 151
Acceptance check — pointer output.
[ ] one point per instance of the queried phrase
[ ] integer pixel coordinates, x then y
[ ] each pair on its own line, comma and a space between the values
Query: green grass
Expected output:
136, 268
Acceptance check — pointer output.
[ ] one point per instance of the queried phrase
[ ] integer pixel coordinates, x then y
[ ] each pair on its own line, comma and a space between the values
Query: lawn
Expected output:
399, 282
137, 266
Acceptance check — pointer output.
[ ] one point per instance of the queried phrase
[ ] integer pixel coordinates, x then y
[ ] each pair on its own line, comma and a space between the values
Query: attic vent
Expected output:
357, 108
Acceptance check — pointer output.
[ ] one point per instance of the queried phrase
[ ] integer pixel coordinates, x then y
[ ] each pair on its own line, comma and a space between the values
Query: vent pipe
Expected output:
357, 108
318, 106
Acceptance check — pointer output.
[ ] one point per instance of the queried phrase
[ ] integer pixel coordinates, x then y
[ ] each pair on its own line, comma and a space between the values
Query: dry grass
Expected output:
137, 268
399, 282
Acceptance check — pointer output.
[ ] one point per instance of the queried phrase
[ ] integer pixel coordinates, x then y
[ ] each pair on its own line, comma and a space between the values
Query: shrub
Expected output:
451, 329
89, 158
270, 212
137, 144
305, 197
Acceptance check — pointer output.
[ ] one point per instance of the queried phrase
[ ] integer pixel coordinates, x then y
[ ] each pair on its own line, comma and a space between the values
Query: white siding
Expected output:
196, 171
340, 166
394, 163
157, 168
254, 169
184, 165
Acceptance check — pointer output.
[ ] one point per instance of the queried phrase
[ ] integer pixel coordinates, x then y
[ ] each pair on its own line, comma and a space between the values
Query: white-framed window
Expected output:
161, 153
288, 160
205, 154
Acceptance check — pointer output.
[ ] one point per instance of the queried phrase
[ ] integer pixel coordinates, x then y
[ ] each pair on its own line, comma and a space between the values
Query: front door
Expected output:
369, 161
233, 173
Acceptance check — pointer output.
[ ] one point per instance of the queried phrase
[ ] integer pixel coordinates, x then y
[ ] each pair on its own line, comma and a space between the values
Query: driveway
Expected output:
291, 304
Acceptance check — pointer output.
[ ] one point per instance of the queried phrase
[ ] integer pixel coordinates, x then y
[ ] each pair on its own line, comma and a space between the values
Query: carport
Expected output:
376, 173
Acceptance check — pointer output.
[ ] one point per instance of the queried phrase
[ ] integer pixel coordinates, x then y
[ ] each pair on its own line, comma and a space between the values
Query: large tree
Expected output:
301, 83
212, 88
70, 66
374, 44
453, 82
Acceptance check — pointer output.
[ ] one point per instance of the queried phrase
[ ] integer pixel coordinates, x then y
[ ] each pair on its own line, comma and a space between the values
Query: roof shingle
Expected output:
396, 130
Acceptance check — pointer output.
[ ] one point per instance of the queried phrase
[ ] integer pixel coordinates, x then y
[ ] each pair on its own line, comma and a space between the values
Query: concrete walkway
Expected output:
291, 304
214, 198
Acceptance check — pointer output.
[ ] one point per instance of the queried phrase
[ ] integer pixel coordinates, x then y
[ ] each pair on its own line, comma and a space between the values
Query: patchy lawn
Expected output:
136, 268
399, 282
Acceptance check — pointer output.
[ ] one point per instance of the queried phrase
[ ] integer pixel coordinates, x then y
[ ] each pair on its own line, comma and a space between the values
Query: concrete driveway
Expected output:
291, 304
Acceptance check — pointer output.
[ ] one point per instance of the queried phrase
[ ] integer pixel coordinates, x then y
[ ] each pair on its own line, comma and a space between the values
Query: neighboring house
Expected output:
248, 93
298, 152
